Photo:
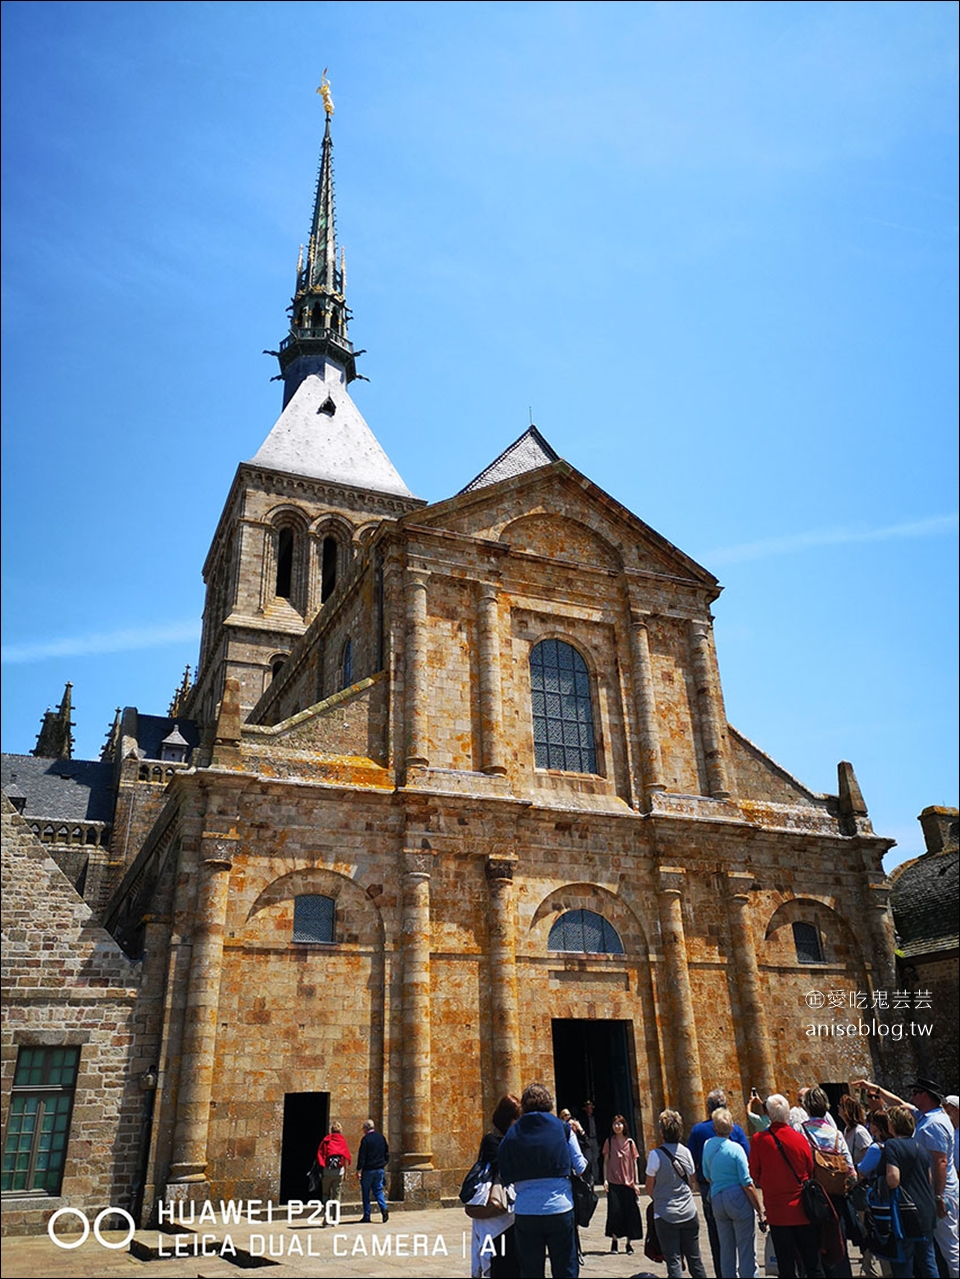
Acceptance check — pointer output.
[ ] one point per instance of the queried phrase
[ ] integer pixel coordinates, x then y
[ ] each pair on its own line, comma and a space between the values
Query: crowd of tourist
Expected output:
875, 1185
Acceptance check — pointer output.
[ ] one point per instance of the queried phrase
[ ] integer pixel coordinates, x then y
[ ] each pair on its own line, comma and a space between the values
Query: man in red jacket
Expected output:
780, 1161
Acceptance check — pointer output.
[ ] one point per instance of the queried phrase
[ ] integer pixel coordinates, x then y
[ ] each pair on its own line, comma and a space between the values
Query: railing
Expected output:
330, 335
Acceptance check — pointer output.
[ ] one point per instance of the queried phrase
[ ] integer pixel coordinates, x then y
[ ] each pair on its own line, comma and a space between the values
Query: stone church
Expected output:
452, 804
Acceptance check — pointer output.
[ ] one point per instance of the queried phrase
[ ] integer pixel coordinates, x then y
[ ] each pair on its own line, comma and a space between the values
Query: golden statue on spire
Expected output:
324, 92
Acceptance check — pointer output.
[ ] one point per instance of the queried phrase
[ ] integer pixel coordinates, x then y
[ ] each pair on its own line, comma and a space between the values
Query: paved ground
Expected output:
433, 1244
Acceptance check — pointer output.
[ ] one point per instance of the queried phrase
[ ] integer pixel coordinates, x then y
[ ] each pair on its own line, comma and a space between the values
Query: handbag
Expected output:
479, 1173
881, 1225
814, 1200
909, 1214
585, 1199
651, 1245
489, 1200
830, 1167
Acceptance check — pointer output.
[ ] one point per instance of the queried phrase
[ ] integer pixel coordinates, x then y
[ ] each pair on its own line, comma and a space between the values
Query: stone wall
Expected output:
67, 983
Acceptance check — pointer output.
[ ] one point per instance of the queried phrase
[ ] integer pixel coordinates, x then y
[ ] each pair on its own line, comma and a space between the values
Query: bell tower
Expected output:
292, 520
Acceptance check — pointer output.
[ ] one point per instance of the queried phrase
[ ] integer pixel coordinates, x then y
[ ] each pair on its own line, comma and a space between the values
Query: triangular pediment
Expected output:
556, 512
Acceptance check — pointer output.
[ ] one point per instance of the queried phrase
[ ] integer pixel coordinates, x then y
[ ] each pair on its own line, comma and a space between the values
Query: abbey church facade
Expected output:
453, 804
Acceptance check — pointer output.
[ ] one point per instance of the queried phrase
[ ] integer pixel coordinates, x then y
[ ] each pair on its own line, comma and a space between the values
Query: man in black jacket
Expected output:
371, 1160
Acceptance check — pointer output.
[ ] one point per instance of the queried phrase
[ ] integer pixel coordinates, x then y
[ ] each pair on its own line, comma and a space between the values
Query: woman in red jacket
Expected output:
333, 1155
780, 1160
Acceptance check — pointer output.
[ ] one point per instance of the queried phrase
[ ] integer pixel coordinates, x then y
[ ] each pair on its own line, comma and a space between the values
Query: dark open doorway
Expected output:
592, 1059
304, 1124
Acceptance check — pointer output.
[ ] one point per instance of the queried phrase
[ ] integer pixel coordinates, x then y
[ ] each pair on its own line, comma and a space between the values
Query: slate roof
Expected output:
526, 454
321, 433
924, 901
61, 789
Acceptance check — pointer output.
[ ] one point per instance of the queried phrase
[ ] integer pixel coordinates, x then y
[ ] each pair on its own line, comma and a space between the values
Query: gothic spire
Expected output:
319, 313
55, 739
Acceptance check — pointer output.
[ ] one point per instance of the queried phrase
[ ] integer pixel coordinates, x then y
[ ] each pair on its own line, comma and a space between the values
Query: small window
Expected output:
806, 939
38, 1126
346, 665
562, 710
313, 918
584, 931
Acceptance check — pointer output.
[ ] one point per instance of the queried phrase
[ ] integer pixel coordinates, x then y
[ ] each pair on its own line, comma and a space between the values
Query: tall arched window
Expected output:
284, 588
346, 664
328, 568
562, 711
584, 932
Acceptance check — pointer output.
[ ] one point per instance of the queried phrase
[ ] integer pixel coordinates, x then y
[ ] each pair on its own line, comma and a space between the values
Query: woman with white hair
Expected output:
780, 1161
733, 1198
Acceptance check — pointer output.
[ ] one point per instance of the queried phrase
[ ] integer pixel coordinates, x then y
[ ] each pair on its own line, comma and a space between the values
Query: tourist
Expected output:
590, 1142
935, 1133
733, 1198
908, 1167
823, 1134
670, 1183
700, 1134
493, 1250
780, 1161
333, 1155
538, 1154
620, 1156
372, 1159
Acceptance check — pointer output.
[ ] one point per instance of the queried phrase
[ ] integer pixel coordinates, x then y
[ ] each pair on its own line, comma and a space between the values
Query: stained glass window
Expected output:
584, 931
562, 709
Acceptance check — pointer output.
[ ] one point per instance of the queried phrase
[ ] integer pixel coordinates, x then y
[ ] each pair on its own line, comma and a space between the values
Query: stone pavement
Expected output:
431, 1244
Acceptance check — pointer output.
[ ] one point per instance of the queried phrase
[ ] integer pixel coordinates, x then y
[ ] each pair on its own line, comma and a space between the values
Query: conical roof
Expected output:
321, 434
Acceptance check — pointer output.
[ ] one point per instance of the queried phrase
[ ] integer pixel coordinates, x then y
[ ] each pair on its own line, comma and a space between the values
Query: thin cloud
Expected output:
122, 641
933, 526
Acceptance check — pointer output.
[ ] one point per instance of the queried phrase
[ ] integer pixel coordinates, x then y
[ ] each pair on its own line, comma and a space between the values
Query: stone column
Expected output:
504, 1003
491, 701
651, 762
709, 706
416, 667
677, 992
189, 1161
415, 999
746, 974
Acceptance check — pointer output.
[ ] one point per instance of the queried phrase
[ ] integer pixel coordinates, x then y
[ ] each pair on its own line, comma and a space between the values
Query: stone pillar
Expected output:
746, 974
416, 668
651, 762
491, 701
504, 1003
709, 706
189, 1163
677, 994
415, 1002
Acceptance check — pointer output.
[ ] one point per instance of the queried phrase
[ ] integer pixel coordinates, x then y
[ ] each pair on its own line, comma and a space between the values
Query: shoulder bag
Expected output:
814, 1200
830, 1167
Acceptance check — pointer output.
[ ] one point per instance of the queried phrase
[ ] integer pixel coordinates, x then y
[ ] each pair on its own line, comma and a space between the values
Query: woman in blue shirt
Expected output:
733, 1198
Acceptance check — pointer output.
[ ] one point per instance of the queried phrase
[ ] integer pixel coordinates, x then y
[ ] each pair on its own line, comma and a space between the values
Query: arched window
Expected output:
284, 587
562, 711
346, 664
584, 931
314, 918
806, 940
276, 666
328, 568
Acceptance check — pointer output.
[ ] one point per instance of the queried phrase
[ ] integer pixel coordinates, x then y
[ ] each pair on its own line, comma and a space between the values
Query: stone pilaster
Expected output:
416, 667
504, 1002
677, 992
189, 1163
491, 701
416, 866
746, 973
709, 706
651, 762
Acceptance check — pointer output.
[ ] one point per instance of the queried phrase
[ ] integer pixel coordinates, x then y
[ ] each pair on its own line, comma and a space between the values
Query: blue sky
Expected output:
712, 248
